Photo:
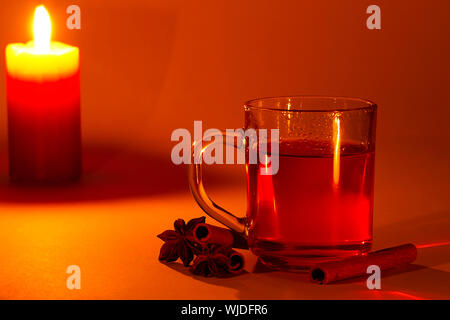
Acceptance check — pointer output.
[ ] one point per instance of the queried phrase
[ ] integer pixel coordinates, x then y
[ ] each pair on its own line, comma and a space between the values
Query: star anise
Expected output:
212, 261
179, 243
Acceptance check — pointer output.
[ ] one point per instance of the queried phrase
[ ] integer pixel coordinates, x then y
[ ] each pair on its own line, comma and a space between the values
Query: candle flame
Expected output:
337, 149
42, 29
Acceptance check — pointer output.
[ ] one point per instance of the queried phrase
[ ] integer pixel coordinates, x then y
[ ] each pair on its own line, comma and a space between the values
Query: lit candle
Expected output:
43, 95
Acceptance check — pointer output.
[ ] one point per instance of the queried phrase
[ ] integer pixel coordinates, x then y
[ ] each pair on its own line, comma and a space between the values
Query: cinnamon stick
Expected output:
328, 272
235, 262
205, 233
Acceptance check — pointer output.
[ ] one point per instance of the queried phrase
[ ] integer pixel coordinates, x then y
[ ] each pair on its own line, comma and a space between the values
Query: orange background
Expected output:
149, 67
152, 66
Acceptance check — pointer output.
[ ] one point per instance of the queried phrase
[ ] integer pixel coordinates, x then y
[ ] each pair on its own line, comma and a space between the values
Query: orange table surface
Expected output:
107, 225
114, 242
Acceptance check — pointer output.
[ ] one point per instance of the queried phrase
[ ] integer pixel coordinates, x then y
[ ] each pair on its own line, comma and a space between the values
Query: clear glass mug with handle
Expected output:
319, 205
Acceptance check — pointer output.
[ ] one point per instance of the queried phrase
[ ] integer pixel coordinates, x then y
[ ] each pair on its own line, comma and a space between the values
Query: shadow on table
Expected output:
423, 280
179, 267
411, 282
429, 232
107, 174
427, 278
384, 274
261, 268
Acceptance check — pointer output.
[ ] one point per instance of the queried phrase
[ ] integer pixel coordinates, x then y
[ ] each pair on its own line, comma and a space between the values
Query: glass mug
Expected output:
318, 207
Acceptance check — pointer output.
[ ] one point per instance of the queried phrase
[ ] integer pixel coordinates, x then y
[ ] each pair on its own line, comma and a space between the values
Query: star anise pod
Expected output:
179, 243
212, 261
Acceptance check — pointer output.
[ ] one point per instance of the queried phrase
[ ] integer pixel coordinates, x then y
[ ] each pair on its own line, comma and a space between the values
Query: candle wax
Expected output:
43, 96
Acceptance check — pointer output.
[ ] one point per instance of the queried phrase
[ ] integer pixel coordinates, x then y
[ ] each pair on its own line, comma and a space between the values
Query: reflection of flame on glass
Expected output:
337, 149
268, 192
266, 164
289, 116
267, 206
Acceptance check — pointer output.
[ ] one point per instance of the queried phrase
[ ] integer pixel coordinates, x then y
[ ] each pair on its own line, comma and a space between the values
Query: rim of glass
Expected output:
364, 104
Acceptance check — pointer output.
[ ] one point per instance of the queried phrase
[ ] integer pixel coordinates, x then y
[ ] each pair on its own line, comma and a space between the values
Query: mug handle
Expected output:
198, 191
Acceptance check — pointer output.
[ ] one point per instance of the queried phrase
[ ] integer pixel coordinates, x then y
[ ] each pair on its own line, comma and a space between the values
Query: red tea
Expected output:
318, 207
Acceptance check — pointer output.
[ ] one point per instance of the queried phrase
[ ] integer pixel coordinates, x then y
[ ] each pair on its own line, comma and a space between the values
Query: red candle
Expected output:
43, 95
